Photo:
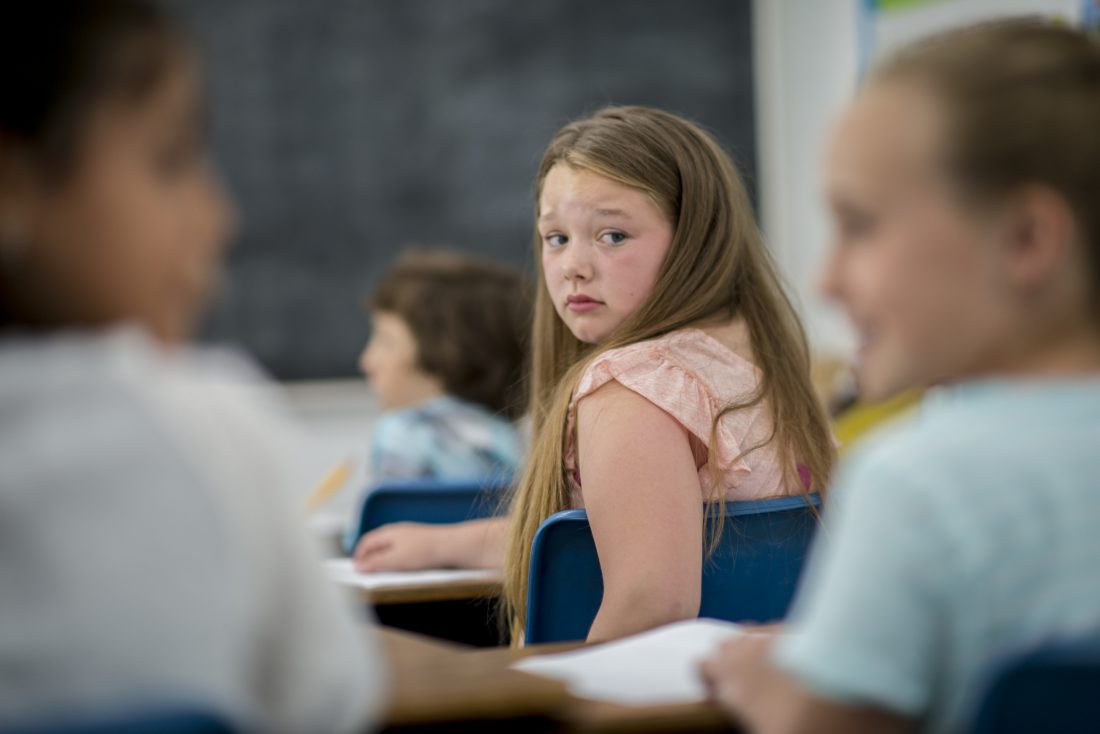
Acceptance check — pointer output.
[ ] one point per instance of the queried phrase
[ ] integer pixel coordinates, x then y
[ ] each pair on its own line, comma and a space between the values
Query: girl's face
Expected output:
603, 244
917, 269
136, 230
391, 363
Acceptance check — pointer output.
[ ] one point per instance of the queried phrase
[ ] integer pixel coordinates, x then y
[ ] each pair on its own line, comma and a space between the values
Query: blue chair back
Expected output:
751, 577
1051, 688
428, 500
162, 722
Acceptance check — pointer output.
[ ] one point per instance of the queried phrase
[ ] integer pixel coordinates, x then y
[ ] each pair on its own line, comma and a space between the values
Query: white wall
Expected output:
806, 66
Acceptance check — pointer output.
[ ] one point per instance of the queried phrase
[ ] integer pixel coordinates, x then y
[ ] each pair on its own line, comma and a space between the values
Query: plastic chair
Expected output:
428, 500
162, 722
751, 576
1050, 688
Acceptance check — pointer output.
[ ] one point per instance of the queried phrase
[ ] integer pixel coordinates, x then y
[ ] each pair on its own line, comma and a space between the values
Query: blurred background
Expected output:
349, 129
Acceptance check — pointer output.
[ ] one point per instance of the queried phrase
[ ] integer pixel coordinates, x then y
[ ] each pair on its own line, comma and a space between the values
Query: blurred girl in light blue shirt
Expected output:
964, 184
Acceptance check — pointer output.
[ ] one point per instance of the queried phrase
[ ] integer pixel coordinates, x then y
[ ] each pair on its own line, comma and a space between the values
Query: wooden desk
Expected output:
461, 611
438, 683
584, 715
443, 683
432, 592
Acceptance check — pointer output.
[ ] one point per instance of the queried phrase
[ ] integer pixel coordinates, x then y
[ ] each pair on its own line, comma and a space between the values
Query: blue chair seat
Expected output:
751, 576
160, 721
1052, 688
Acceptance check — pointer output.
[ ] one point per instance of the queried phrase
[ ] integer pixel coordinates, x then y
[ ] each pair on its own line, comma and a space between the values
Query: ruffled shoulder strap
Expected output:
671, 372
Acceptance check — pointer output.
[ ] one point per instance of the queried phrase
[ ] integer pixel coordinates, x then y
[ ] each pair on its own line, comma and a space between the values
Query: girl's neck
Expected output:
730, 331
1070, 352
419, 391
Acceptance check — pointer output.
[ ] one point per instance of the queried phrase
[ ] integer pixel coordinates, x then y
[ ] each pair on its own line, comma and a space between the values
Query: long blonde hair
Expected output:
717, 266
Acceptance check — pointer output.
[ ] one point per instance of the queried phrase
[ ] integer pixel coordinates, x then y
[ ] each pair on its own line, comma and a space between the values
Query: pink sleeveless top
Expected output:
692, 376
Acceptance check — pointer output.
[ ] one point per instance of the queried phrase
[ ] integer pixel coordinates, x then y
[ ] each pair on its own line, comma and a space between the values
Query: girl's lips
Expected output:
582, 304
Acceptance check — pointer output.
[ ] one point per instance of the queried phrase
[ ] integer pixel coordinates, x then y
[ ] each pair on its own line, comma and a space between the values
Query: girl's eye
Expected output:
613, 238
855, 225
555, 240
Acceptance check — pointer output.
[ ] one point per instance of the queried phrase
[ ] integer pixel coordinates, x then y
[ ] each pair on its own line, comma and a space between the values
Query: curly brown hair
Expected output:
470, 318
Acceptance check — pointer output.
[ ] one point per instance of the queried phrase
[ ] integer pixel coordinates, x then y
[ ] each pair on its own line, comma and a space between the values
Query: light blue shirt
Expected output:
444, 438
955, 538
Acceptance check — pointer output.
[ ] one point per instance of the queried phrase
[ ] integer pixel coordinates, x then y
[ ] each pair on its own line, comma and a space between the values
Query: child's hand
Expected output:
402, 546
737, 673
762, 698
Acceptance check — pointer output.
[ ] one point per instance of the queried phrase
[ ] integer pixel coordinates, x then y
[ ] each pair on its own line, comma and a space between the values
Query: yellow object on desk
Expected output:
328, 486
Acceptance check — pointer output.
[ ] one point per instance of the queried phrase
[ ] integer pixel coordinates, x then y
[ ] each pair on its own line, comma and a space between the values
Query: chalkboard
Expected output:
347, 129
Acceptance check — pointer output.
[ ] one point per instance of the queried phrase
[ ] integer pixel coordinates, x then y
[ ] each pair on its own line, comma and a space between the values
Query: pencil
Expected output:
328, 486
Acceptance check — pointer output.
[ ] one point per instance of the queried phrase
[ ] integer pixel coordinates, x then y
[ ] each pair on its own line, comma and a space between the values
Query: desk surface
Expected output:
440, 682
434, 591
437, 682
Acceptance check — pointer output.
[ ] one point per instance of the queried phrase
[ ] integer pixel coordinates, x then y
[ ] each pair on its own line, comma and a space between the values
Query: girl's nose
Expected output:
577, 263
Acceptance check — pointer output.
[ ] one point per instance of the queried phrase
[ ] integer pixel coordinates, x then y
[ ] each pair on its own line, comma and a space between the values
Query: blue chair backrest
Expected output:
751, 577
428, 500
1054, 688
161, 722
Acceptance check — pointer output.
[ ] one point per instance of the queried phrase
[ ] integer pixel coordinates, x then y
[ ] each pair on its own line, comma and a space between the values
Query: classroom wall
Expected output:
806, 61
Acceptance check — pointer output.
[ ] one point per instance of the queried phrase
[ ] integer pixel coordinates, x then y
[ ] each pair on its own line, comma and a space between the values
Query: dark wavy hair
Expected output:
470, 319
59, 61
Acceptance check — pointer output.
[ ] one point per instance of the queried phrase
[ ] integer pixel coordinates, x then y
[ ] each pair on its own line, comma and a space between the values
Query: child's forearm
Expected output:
475, 543
620, 617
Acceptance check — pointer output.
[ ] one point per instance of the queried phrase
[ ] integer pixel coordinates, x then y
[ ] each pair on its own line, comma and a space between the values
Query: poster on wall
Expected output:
887, 24
1090, 16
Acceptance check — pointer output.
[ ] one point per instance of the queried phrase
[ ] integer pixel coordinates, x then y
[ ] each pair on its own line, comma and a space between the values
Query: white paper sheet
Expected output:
656, 667
341, 571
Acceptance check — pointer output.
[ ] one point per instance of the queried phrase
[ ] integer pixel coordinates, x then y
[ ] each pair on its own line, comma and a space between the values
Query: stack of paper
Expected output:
656, 667
342, 571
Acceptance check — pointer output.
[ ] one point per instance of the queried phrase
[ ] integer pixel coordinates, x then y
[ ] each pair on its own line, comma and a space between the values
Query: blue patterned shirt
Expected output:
444, 438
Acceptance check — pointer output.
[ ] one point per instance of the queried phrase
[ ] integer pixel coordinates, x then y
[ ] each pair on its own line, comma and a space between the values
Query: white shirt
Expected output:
149, 551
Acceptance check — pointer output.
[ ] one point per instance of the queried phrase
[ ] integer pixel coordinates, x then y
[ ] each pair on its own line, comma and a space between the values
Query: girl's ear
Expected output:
1038, 239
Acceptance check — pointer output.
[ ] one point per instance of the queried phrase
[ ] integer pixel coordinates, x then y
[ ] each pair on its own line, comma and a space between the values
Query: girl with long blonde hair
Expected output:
669, 371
